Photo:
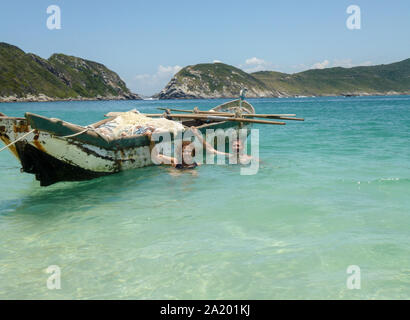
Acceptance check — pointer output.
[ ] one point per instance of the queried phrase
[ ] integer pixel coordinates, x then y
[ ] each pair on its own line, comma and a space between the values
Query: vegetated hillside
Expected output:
213, 80
380, 79
28, 77
218, 80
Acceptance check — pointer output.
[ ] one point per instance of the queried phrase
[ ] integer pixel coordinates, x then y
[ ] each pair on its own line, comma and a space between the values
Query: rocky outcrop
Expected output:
216, 80
175, 91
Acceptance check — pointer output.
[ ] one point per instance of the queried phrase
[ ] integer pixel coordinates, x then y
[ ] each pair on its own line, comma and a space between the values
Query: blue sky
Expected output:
145, 42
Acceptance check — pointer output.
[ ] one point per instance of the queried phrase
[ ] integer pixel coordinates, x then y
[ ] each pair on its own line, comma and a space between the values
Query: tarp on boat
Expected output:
133, 123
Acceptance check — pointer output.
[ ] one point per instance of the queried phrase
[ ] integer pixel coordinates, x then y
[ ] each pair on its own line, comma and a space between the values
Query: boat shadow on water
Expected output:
68, 197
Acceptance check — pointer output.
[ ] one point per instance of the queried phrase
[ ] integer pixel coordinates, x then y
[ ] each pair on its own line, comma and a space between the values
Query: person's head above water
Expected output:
237, 146
188, 153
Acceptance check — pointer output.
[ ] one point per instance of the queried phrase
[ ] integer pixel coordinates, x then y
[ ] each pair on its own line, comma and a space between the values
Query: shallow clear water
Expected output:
332, 191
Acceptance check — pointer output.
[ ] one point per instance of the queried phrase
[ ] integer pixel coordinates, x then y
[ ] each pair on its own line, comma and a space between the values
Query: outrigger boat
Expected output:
55, 150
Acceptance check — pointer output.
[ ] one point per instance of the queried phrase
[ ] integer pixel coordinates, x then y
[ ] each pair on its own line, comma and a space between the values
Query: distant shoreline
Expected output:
13, 99
347, 95
43, 98
376, 94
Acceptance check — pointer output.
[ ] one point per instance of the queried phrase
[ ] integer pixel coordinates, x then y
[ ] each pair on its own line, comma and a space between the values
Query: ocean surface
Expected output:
331, 192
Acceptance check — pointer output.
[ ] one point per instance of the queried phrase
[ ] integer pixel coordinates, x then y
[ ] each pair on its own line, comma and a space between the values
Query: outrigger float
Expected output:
54, 150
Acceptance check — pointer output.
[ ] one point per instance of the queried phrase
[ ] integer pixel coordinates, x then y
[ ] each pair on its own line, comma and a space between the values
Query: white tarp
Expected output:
133, 123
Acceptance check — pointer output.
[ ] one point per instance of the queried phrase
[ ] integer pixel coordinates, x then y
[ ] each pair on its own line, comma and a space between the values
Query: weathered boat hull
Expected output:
48, 169
52, 157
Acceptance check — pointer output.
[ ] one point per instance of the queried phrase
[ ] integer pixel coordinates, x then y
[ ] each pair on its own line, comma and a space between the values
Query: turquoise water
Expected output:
332, 191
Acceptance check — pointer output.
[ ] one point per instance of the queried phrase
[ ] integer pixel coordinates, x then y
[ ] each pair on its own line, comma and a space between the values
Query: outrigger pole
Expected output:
228, 114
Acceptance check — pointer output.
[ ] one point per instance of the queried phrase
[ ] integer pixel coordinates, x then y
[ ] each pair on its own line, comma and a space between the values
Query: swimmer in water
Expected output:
188, 152
237, 148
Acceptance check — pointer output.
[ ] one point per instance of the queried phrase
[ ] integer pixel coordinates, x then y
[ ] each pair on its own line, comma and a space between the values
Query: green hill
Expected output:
25, 76
219, 80
212, 80
380, 79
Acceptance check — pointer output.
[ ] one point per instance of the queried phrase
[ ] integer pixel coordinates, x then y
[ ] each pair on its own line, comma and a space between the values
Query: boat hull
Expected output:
52, 159
48, 169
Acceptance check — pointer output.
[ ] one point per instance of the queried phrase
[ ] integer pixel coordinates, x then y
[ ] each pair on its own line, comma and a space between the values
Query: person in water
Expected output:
237, 156
187, 155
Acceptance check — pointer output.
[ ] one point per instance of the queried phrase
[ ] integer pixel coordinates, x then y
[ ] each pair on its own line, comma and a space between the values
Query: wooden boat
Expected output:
54, 150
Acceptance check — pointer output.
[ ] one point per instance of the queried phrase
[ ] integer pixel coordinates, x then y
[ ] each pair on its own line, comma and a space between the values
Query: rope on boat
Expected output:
78, 133
84, 131
17, 140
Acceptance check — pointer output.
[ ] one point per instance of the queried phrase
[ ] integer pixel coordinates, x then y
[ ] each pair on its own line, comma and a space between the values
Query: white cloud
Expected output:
344, 63
217, 61
254, 60
321, 65
347, 63
366, 63
149, 84
256, 64
167, 71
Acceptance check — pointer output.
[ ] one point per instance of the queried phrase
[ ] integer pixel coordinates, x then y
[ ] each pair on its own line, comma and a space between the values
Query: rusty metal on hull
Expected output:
19, 126
49, 170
